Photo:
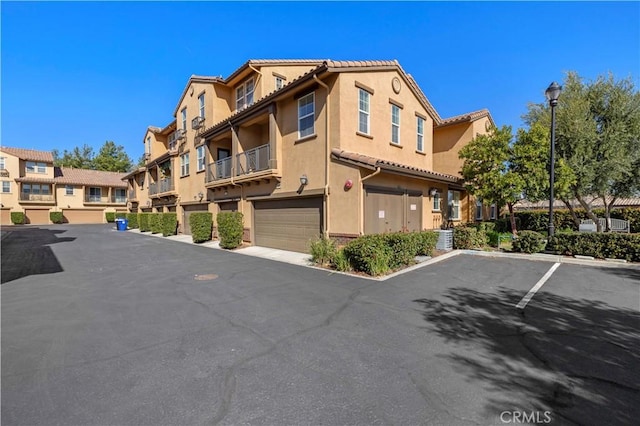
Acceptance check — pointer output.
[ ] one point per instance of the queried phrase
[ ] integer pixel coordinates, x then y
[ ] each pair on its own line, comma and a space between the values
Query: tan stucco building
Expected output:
306, 148
31, 184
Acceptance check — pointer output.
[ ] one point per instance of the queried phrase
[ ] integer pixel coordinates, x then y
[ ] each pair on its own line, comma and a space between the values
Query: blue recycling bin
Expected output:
122, 224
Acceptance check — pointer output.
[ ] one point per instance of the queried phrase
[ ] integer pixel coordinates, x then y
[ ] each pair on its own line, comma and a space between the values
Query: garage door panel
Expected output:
79, 216
36, 216
288, 224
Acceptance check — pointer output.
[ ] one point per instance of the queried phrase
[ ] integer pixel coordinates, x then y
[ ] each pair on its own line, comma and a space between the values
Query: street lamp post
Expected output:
552, 94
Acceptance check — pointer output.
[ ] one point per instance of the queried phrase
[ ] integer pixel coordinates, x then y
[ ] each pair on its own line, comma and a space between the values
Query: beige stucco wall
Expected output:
158, 144
74, 201
12, 165
267, 80
447, 144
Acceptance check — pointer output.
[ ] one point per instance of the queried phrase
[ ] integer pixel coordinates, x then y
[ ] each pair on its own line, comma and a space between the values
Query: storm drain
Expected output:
205, 277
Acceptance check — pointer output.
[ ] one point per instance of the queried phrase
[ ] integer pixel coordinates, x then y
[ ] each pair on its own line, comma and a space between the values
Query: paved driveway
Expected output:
102, 327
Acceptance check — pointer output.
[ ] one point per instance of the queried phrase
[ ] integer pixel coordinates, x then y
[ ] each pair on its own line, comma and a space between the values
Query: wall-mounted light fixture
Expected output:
304, 181
200, 195
433, 191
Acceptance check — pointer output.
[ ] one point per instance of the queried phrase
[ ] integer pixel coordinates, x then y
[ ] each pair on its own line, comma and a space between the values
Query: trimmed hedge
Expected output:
17, 218
201, 225
427, 241
143, 222
230, 229
369, 254
133, 220
528, 242
468, 237
110, 216
169, 224
121, 215
155, 223
598, 245
538, 220
56, 217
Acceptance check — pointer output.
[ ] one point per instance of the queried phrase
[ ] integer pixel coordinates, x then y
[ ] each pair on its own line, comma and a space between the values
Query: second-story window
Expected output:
420, 134
6, 186
184, 164
95, 195
2, 162
68, 190
147, 146
363, 111
183, 114
200, 157
395, 124
244, 95
279, 83
306, 115
33, 167
201, 105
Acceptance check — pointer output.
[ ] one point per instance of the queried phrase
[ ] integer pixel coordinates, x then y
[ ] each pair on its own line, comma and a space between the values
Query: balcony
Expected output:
246, 164
99, 199
197, 123
29, 197
221, 169
160, 187
133, 195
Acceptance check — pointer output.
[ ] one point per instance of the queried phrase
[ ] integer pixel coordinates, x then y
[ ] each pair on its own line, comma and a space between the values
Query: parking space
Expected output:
124, 329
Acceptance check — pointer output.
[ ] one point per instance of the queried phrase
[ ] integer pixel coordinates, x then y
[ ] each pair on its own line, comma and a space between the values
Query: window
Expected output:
201, 105
363, 112
244, 95
279, 83
184, 118
420, 134
492, 214
33, 167
184, 165
478, 210
6, 186
68, 190
120, 195
436, 202
95, 195
306, 115
200, 154
395, 124
147, 146
2, 162
454, 205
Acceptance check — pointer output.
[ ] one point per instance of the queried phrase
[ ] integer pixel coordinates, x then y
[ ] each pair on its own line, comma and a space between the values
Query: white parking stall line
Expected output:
537, 287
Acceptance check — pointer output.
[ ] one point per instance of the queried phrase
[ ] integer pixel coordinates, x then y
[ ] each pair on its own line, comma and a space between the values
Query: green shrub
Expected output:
133, 220
323, 250
598, 245
529, 242
340, 262
369, 254
121, 215
155, 223
56, 217
110, 216
169, 224
403, 246
17, 218
230, 229
427, 241
465, 237
201, 225
143, 222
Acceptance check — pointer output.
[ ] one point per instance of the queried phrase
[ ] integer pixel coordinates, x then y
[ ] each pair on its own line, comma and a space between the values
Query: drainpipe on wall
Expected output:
361, 201
325, 200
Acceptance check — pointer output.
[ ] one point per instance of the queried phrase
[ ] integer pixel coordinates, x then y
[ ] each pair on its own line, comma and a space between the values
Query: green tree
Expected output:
598, 137
79, 158
112, 158
487, 170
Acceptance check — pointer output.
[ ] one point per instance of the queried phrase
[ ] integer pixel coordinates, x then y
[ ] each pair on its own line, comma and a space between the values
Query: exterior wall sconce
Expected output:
200, 195
304, 181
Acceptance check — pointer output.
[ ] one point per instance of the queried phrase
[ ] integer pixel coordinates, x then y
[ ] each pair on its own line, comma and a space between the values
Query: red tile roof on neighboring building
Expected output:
29, 154
469, 116
71, 176
372, 162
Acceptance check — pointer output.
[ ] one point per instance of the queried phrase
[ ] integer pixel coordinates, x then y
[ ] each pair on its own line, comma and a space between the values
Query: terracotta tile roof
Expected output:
35, 180
29, 154
89, 177
258, 62
367, 160
196, 79
134, 172
469, 116
596, 202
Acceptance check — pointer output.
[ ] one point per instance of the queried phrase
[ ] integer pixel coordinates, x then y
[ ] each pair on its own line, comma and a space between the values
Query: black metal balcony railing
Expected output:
164, 185
253, 160
94, 198
27, 196
118, 199
220, 169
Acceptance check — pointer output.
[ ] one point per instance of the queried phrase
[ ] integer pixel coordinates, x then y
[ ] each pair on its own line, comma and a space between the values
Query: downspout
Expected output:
361, 201
325, 207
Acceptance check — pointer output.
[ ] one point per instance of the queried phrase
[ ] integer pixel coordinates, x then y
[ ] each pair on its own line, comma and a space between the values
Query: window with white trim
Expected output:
395, 124
200, 158
184, 164
120, 195
201, 105
95, 195
478, 209
2, 162
183, 115
6, 186
420, 134
147, 146
244, 94
306, 115
363, 111
279, 83
68, 190
492, 214
454, 205
33, 167
436, 202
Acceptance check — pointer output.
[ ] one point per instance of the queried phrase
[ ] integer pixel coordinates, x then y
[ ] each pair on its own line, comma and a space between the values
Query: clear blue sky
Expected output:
76, 73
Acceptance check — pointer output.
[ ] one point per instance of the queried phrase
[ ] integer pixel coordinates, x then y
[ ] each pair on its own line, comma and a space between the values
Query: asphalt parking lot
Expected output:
113, 328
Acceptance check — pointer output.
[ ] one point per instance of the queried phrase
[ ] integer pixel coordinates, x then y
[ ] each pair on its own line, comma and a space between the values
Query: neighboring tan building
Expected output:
306, 148
31, 184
